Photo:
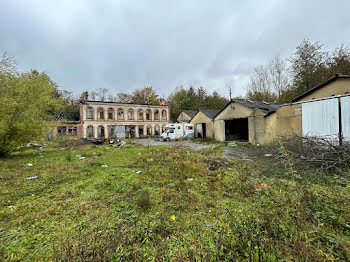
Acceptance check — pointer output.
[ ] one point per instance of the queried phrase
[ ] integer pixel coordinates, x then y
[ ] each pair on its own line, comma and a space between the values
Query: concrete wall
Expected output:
202, 118
183, 117
105, 122
338, 87
285, 121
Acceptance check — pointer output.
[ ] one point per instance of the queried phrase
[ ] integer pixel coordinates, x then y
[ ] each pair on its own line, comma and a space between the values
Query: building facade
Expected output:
109, 119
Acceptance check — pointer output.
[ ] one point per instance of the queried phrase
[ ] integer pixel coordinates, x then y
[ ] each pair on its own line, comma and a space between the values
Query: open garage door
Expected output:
236, 129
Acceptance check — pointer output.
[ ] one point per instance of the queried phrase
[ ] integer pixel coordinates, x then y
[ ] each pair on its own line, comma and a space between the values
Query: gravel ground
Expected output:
191, 145
228, 152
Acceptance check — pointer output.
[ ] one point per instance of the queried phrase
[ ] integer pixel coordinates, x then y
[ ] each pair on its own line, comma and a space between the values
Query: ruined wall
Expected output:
338, 87
202, 118
285, 121
256, 126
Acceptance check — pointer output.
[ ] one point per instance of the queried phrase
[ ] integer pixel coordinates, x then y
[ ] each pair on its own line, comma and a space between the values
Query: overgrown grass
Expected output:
165, 203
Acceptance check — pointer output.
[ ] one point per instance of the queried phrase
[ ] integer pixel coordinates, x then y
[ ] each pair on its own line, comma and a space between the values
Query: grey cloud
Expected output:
124, 45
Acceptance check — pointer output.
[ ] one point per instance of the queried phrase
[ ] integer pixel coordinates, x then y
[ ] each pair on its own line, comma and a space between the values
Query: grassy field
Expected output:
91, 203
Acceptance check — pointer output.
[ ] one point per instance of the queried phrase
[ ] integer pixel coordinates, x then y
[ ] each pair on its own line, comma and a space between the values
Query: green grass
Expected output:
182, 206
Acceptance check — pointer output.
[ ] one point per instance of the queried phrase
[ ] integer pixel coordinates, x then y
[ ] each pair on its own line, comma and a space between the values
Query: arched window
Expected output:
110, 113
90, 113
164, 115
111, 132
130, 114
120, 114
140, 131
101, 132
163, 128
90, 131
156, 130
148, 114
140, 114
156, 115
100, 114
149, 130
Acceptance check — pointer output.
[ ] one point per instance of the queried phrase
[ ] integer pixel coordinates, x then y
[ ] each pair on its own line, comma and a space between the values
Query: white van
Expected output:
177, 131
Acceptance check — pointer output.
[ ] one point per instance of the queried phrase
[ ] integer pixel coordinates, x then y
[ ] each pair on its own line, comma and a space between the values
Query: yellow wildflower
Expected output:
172, 218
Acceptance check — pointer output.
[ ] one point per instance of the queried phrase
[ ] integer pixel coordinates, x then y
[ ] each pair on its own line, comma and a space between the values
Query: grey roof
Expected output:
268, 108
190, 113
330, 80
210, 113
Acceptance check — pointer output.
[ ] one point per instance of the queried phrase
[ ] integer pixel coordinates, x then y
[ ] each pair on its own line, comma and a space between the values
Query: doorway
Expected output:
236, 129
201, 130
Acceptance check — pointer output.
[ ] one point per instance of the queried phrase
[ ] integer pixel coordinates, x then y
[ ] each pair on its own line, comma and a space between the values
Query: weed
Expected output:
144, 199
68, 155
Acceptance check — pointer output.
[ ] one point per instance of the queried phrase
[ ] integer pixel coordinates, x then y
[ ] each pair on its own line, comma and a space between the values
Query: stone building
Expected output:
110, 119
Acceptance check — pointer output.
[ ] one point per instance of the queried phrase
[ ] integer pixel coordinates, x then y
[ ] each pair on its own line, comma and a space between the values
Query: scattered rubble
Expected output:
31, 177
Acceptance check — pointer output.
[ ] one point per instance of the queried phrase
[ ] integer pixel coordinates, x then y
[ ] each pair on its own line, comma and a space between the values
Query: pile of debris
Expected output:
312, 153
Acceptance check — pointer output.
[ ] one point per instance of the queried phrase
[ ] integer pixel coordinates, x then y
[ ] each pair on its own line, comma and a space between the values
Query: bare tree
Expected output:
278, 76
124, 98
260, 87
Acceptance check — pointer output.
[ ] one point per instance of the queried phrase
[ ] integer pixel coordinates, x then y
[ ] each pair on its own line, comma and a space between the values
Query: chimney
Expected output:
84, 96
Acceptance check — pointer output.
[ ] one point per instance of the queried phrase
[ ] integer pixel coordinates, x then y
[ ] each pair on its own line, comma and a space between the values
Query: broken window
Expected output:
164, 115
148, 114
90, 131
156, 115
101, 132
110, 113
72, 130
149, 130
130, 114
156, 130
61, 130
140, 115
100, 114
120, 114
111, 131
90, 113
140, 131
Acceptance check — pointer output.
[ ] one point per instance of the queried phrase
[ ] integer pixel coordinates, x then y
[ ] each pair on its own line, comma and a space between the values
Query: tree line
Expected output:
282, 80
29, 99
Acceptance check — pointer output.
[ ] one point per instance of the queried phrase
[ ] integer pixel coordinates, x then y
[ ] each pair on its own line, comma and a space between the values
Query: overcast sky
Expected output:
126, 45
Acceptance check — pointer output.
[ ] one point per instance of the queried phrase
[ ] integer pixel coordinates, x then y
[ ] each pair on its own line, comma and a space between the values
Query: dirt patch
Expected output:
216, 163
